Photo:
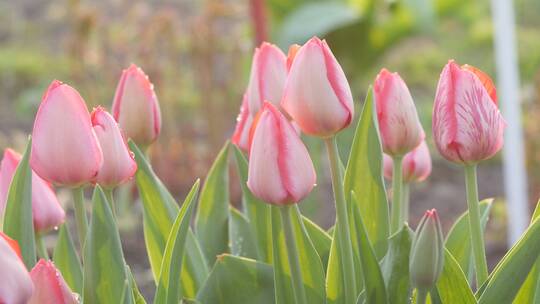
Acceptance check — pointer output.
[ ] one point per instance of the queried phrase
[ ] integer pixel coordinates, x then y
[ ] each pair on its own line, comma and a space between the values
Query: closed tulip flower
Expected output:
46, 210
280, 169
267, 77
15, 284
118, 163
416, 164
136, 107
467, 125
49, 286
317, 95
65, 150
243, 126
399, 125
427, 252
293, 49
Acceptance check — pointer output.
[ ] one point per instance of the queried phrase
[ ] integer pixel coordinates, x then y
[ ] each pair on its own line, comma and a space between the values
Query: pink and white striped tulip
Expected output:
15, 284
267, 77
49, 285
46, 210
399, 125
467, 125
65, 150
280, 169
136, 107
317, 95
244, 122
118, 163
416, 164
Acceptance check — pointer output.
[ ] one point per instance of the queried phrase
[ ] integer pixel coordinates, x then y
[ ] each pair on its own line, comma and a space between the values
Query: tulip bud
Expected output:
15, 284
427, 252
243, 126
65, 150
399, 125
293, 49
416, 164
49, 285
280, 169
467, 125
317, 95
136, 107
46, 210
118, 163
267, 77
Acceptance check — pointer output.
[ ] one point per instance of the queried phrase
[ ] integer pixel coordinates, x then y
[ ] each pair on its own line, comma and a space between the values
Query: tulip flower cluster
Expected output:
266, 251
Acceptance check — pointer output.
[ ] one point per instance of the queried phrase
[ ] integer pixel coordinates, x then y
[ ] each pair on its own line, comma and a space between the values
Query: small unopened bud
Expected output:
427, 252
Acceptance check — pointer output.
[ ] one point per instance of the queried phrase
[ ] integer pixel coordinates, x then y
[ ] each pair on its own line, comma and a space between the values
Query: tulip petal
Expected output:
49, 285
15, 283
243, 126
118, 163
65, 150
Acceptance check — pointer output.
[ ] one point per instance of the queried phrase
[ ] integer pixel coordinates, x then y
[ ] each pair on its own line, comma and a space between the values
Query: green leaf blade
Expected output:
67, 261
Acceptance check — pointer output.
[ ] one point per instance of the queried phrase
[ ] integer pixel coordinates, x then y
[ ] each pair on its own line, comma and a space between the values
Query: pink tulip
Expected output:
49, 286
267, 77
416, 164
65, 150
118, 163
317, 95
280, 169
244, 122
467, 125
136, 107
399, 125
15, 284
46, 209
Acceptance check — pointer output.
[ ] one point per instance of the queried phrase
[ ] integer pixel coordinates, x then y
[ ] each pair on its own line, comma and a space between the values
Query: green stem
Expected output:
80, 215
405, 205
292, 252
477, 238
41, 248
397, 184
342, 222
110, 198
421, 295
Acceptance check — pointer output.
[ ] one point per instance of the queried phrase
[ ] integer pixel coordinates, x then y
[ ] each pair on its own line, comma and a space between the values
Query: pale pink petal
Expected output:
65, 150
49, 286
399, 125
118, 163
388, 168
136, 107
15, 284
417, 164
267, 77
317, 95
243, 126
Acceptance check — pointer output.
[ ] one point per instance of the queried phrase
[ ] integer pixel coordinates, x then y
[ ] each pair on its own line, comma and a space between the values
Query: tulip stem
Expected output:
342, 222
477, 238
110, 198
396, 219
292, 252
80, 215
421, 295
41, 248
405, 199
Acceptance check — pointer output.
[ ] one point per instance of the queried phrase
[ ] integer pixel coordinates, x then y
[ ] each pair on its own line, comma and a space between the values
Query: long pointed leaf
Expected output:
257, 212
67, 261
104, 265
240, 235
211, 225
169, 288
18, 223
395, 266
452, 286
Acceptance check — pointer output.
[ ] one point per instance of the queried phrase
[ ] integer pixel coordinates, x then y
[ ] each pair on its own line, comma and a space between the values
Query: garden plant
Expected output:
206, 250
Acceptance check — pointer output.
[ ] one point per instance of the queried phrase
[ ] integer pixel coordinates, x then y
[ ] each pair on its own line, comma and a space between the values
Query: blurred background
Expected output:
198, 53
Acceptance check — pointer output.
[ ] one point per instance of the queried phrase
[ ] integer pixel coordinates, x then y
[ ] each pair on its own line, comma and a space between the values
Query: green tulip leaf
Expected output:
395, 266
322, 241
211, 220
18, 223
452, 286
169, 289
238, 280
104, 265
67, 261
530, 290
240, 235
